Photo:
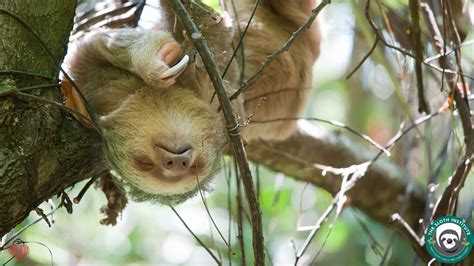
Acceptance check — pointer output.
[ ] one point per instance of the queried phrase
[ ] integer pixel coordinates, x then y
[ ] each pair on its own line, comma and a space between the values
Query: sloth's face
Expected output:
165, 144
449, 241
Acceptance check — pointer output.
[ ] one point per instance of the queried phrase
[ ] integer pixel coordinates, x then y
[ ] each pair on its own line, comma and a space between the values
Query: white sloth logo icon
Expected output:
448, 237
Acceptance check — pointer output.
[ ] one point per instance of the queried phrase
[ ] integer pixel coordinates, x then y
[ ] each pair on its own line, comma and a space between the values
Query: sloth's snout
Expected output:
177, 163
171, 162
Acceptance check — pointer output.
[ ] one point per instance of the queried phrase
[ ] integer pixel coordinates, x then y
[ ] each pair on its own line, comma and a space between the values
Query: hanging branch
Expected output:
416, 37
201, 46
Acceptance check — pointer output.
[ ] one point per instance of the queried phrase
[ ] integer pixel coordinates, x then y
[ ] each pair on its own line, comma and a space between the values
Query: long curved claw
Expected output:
176, 69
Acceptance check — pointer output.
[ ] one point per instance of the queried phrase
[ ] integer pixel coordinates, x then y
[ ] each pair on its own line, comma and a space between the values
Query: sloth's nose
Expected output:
177, 163
450, 241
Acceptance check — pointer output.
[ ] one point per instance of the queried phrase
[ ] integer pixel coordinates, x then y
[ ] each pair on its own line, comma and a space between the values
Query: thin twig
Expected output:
294, 36
374, 244
41, 244
242, 37
324, 216
447, 203
241, 41
232, 126
372, 49
195, 237
18, 93
5, 72
86, 187
203, 199
19, 232
405, 229
240, 211
13, 91
333, 123
227, 174
416, 37
379, 36
402, 132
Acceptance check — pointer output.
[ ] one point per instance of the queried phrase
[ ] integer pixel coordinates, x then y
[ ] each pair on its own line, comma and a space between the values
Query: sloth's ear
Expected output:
74, 101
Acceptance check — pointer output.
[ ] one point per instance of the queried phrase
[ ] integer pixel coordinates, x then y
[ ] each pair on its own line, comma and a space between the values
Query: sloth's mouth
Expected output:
170, 178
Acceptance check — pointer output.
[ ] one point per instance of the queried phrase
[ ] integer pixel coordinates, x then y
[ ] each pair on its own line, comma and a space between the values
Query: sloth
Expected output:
164, 135
450, 238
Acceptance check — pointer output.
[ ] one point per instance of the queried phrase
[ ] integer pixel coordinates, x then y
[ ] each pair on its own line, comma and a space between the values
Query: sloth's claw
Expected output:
176, 69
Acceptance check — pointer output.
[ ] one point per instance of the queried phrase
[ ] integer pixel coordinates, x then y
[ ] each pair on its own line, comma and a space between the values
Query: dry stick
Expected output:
241, 40
401, 50
195, 237
333, 123
242, 52
372, 49
416, 36
294, 36
43, 86
403, 132
457, 42
405, 229
232, 126
456, 47
19, 93
5, 72
19, 232
240, 210
242, 37
374, 244
227, 174
41, 244
318, 225
203, 199
86, 187
448, 199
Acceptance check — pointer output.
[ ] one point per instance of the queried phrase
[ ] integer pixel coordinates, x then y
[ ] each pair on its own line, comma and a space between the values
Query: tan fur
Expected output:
287, 81
119, 73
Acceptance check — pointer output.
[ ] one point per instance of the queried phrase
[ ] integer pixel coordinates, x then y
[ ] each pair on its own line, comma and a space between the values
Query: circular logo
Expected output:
449, 239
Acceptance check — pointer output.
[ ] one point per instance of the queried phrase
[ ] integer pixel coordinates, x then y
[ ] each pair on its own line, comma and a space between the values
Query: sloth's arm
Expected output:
110, 64
286, 82
145, 54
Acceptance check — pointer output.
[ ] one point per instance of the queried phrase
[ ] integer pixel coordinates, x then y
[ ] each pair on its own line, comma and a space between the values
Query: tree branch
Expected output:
233, 129
379, 193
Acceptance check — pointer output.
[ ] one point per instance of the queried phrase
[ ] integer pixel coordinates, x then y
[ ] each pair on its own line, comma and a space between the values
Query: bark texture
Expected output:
42, 150
379, 193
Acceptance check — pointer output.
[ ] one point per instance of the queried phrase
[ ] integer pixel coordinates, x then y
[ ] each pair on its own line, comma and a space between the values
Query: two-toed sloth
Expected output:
164, 135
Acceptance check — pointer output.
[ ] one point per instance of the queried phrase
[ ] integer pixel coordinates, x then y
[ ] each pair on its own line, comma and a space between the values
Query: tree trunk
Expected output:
42, 150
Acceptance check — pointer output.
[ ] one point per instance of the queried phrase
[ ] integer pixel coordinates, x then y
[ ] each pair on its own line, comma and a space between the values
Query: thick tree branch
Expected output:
379, 193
